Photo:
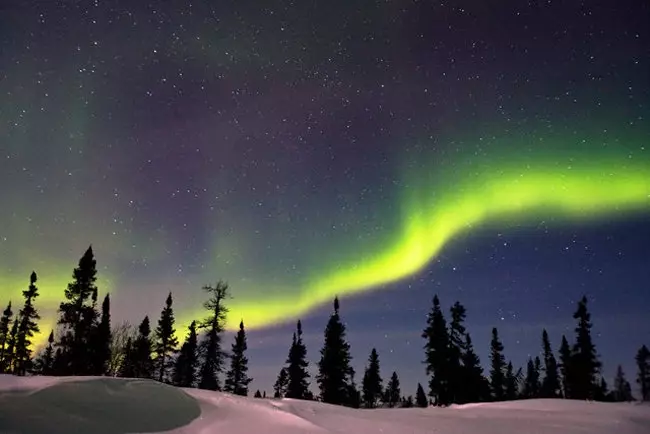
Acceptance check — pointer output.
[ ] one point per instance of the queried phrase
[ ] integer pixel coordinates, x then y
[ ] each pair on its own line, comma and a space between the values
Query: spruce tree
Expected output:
165, 341
258, 394
141, 352
393, 391
76, 317
334, 370
298, 376
280, 386
27, 327
437, 355
551, 383
498, 366
538, 375
622, 388
512, 380
5, 329
602, 393
531, 383
127, 366
566, 369
372, 382
643, 376
457, 378
213, 355
354, 395
421, 398
11, 344
584, 357
100, 341
187, 361
237, 379
45, 361
476, 387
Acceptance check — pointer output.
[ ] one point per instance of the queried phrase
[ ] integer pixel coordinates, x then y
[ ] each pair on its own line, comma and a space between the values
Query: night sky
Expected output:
491, 152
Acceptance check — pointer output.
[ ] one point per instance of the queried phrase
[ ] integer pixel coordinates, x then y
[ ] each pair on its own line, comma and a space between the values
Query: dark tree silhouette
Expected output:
372, 382
237, 379
603, 393
476, 387
11, 344
354, 395
498, 367
127, 365
566, 368
584, 358
280, 386
297, 364
457, 375
643, 376
76, 317
622, 387
213, 355
27, 328
421, 398
165, 341
141, 352
393, 391
5, 330
551, 383
436, 349
335, 374
187, 360
531, 383
258, 394
512, 380
100, 341
44, 363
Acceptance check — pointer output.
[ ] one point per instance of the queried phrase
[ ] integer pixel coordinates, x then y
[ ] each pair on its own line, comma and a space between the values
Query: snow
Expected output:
72, 404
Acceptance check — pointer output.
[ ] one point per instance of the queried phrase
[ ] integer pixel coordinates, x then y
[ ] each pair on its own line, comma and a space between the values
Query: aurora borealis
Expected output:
299, 150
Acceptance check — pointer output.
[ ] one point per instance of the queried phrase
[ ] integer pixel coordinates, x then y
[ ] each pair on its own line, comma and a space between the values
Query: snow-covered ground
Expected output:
66, 405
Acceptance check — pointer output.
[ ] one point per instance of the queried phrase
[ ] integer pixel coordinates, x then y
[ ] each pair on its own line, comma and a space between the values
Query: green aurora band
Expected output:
437, 202
563, 184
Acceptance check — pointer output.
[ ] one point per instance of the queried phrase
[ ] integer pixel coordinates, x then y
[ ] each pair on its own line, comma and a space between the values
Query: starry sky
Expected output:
494, 153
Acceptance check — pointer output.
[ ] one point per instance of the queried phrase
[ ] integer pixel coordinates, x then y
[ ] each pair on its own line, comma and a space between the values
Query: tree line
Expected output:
84, 343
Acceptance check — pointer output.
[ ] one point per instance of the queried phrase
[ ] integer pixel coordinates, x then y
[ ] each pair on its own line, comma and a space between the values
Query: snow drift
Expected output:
114, 406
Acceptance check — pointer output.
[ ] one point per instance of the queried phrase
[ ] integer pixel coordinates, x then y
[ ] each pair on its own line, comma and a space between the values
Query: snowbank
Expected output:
102, 405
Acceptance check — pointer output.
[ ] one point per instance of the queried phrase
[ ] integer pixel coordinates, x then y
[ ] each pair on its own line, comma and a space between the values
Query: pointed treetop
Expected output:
107, 302
32, 278
50, 340
144, 328
88, 259
436, 301
336, 304
299, 328
241, 325
168, 302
